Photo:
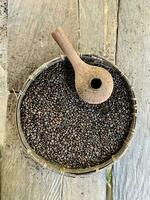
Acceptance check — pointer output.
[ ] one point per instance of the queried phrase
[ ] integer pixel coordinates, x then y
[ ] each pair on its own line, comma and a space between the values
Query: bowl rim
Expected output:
54, 166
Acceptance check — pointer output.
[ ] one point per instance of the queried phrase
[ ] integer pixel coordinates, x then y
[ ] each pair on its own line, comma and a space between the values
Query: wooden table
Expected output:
116, 29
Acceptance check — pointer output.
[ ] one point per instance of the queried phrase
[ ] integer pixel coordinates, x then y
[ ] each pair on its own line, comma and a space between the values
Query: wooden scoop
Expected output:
93, 84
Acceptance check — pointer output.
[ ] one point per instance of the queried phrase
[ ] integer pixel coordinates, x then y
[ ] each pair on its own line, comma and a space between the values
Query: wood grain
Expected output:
3, 70
131, 175
30, 43
98, 24
85, 188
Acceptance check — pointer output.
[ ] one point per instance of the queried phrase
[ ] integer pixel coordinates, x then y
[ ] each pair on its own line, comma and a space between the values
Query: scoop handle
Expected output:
64, 43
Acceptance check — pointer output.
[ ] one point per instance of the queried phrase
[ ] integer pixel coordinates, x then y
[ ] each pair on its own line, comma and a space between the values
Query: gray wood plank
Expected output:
85, 187
3, 70
131, 175
3, 105
3, 75
30, 44
98, 25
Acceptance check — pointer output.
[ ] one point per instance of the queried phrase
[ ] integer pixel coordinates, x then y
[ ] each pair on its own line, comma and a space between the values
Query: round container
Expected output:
55, 166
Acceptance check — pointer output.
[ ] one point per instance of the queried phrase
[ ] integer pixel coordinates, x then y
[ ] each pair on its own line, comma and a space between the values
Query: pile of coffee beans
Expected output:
63, 129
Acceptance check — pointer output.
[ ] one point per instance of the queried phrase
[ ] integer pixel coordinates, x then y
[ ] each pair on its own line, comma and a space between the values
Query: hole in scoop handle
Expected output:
64, 43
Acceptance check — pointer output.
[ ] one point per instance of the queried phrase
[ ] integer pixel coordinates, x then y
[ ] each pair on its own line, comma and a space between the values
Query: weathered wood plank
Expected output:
30, 44
131, 175
85, 188
98, 26
3, 105
3, 75
3, 70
